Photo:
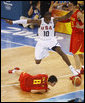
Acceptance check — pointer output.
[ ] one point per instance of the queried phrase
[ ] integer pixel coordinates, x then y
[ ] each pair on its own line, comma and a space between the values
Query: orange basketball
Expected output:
76, 81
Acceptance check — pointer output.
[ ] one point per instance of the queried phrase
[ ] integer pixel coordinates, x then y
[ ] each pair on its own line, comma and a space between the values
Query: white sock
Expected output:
20, 21
73, 70
82, 66
78, 70
13, 71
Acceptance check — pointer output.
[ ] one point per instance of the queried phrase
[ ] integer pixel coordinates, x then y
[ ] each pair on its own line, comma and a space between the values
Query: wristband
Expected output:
20, 21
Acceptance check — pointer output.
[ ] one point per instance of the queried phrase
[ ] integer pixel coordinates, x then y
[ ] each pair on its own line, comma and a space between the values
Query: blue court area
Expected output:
15, 36
66, 97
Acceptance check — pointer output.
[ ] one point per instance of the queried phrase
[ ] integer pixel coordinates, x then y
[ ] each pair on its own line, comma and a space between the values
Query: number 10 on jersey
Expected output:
46, 33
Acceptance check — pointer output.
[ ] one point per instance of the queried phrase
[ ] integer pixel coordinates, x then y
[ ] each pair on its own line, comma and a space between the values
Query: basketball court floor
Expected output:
17, 50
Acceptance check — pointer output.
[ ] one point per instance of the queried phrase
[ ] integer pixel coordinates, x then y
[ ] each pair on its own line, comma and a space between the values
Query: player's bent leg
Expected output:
77, 61
65, 58
15, 71
62, 54
82, 70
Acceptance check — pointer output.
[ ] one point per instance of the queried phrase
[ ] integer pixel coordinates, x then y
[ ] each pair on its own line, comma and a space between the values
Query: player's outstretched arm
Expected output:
24, 21
16, 21
36, 22
62, 18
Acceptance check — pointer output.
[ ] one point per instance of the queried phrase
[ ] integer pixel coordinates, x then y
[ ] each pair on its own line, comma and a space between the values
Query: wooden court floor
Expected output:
23, 57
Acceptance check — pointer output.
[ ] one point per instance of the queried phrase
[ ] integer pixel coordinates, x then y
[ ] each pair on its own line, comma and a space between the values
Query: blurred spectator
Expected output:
33, 13
33, 5
54, 6
65, 7
81, 6
61, 5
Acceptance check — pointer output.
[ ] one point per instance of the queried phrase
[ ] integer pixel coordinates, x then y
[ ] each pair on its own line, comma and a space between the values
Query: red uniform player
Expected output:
29, 82
77, 37
35, 84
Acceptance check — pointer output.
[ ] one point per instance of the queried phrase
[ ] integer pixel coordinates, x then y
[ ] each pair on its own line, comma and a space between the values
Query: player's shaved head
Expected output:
47, 17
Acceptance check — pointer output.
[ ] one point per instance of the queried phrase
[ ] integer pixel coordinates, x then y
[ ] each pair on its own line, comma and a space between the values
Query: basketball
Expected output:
76, 81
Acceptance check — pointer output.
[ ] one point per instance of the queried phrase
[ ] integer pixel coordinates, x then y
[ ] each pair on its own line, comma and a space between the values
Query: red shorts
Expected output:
77, 42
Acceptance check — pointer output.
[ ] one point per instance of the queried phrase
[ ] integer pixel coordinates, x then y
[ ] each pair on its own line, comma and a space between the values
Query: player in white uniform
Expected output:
47, 39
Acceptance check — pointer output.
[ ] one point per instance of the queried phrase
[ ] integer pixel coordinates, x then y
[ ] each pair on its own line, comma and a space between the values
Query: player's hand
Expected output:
9, 21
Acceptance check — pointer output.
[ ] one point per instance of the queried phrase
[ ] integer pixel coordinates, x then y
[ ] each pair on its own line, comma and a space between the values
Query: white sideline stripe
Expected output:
19, 84
9, 85
14, 28
23, 33
3, 31
14, 42
65, 76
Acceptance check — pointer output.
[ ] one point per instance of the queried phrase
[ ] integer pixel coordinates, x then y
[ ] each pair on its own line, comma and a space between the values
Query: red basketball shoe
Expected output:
11, 71
82, 71
79, 75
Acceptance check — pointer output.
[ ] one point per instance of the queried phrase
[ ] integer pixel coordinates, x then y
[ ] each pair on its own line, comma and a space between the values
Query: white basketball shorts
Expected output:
43, 46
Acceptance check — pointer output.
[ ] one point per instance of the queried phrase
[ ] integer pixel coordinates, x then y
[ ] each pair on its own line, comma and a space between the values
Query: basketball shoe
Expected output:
82, 70
13, 70
79, 75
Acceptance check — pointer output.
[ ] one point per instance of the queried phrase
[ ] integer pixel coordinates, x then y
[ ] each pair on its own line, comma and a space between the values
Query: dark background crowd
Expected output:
37, 9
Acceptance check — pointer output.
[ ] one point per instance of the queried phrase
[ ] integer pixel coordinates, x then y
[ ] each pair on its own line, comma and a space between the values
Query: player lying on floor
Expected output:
34, 84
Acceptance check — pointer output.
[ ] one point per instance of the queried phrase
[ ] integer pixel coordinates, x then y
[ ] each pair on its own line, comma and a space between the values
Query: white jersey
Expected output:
47, 40
46, 31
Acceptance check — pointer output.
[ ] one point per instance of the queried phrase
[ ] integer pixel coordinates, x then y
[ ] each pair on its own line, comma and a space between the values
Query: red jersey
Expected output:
77, 37
29, 82
75, 20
